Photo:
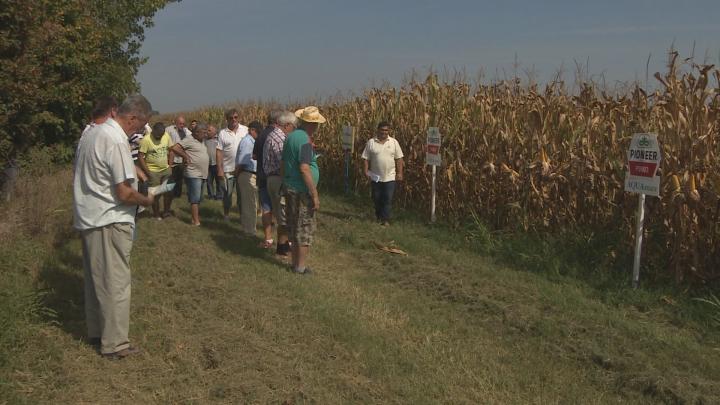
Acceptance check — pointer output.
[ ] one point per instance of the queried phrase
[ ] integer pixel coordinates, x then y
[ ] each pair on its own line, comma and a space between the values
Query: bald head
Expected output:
180, 121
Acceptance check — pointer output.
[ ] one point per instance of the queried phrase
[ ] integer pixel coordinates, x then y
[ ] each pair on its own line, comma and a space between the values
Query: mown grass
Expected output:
467, 317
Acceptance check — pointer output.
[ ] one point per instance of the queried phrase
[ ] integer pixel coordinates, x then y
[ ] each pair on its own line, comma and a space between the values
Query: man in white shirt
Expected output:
105, 199
228, 141
177, 133
382, 160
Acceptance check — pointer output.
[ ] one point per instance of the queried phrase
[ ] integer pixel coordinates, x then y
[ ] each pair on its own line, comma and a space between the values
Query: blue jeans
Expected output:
213, 186
382, 194
228, 186
194, 189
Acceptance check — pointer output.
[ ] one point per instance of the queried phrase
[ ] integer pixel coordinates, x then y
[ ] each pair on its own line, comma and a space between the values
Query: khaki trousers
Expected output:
274, 183
248, 202
106, 259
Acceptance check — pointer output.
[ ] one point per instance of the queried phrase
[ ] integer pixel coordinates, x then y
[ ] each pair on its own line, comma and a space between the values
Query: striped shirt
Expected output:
272, 152
135, 145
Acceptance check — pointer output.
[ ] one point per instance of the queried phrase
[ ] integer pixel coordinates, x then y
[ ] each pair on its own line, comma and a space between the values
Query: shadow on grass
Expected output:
61, 278
245, 246
344, 216
207, 214
229, 238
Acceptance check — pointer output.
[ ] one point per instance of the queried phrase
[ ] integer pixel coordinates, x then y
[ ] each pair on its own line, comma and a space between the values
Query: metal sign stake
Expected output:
348, 145
638, 241
347, 171
432, 201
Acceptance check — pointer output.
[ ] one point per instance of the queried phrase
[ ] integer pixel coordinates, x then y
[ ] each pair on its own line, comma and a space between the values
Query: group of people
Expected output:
121, 161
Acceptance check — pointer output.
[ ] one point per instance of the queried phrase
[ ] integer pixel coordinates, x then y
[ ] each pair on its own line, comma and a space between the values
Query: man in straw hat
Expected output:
300, 179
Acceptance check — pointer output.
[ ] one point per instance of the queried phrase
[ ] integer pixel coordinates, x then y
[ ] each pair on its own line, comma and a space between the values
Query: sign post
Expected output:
433, 158
642, 178
348, 142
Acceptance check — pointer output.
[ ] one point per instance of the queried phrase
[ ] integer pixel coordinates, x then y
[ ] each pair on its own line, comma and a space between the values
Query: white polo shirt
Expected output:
102, 161
174, 133
382, 157
227, 142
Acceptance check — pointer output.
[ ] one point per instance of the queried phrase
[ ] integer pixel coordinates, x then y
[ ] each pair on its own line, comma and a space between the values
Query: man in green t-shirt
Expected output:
154, 157
300, 179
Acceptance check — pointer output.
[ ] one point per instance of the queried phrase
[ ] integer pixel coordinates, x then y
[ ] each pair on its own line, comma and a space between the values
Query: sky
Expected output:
210, 52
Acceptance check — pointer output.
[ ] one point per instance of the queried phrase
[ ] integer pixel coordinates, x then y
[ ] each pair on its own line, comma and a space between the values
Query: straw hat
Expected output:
310, 114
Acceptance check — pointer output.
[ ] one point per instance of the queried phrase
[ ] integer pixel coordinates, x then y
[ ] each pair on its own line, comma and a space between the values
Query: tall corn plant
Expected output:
532, 157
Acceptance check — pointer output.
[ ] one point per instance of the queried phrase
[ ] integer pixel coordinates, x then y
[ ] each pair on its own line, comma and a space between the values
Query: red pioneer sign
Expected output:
642, 169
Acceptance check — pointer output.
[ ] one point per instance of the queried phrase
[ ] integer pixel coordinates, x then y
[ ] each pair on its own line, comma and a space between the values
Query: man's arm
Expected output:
140, 174
239, 155
129, 196
178, 149
219, 163
143, 164
307, 178
399, 167
366, 159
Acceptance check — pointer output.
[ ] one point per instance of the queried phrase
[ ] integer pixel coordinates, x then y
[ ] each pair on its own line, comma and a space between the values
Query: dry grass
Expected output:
221, 321
42, 206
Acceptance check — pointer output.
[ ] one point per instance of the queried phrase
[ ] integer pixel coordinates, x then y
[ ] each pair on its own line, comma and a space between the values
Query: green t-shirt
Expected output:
297, 150
156, 152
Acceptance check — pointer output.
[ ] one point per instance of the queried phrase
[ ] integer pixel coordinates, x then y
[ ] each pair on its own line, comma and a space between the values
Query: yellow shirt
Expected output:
156, 152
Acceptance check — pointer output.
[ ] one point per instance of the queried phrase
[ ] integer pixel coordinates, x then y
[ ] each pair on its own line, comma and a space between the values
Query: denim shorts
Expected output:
265, 201
194, 189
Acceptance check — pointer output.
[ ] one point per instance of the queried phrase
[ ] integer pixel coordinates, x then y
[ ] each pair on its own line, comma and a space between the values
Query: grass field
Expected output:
222, 321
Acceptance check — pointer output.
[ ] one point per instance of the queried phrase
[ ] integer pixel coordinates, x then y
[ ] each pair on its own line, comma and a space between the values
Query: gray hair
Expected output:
136, 104
201, 126
273, 117
287, 117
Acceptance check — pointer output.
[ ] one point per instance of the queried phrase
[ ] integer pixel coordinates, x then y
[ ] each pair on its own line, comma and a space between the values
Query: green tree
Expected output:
57, 56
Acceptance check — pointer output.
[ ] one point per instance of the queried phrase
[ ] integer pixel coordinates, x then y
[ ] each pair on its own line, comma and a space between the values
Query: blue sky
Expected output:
204, 52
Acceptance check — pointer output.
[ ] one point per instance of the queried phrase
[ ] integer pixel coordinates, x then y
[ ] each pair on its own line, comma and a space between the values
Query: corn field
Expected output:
525, 157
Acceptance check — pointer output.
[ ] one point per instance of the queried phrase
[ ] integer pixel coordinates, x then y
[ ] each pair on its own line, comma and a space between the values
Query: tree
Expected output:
57, 56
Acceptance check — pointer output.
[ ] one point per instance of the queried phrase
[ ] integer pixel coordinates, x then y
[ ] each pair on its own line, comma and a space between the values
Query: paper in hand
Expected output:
162, 188
374, 177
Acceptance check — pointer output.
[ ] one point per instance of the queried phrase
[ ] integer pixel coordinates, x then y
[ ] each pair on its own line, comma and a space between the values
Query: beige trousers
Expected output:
247, 187
106, 259
274, 183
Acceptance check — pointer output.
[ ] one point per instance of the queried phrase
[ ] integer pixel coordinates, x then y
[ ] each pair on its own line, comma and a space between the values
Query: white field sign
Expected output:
642, 178
348, 138
432, 155
643, 163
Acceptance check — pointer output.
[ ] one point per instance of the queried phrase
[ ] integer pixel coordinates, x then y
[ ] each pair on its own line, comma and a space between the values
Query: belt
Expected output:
248, 171
273, 174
